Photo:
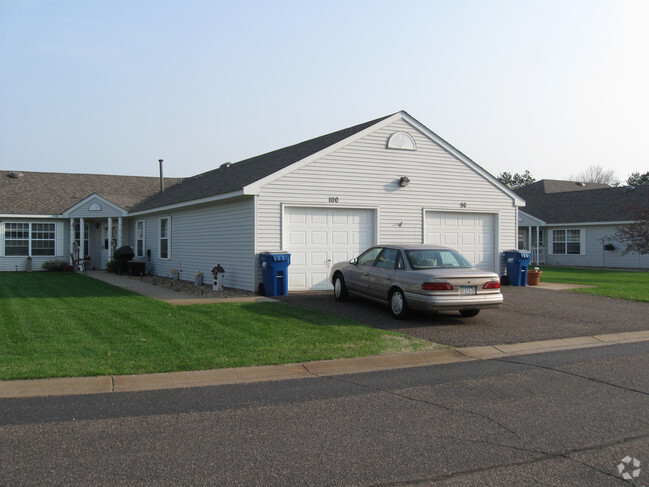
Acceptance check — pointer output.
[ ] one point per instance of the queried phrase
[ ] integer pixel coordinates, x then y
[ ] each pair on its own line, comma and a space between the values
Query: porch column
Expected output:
110, 238
82, 243
71, 240
119, 231
538, 245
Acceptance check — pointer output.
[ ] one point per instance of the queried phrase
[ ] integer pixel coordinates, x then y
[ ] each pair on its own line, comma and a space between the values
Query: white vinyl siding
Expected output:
593, 238
364, 174
204, 236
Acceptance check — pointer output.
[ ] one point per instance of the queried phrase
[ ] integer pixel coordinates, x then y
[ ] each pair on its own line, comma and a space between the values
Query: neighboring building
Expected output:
567, 223
323, 200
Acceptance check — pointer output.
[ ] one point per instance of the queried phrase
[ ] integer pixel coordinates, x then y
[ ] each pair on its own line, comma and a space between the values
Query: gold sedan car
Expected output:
418, 277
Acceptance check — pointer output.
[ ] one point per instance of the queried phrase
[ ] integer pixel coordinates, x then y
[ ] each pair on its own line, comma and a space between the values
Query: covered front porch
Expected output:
530, 236
101, 237
97, 228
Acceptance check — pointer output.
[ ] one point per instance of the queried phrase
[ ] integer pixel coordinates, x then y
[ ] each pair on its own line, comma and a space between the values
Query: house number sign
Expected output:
333, 199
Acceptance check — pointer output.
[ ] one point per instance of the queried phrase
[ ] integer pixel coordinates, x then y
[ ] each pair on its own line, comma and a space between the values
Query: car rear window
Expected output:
435, 259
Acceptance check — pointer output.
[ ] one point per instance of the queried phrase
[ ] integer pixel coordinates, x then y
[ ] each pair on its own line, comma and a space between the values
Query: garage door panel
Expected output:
296, 279
298, 258
318, 238
322, 237
297, 238
317, 258
473, 234
340, 238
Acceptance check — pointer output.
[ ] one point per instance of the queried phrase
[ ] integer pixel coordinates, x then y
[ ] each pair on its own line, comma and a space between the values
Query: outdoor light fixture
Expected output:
404, 181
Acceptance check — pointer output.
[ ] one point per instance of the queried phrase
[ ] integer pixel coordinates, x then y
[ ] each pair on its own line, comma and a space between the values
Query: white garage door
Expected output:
473, 234
320, 237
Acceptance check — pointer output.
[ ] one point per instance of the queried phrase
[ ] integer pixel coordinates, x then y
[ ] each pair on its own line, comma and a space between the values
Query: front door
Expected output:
107, 244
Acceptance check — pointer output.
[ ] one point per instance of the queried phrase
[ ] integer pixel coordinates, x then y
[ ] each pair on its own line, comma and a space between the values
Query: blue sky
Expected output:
112, 86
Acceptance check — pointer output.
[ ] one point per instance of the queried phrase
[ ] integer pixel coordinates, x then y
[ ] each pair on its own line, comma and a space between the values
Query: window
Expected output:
566, 242
30, 238
368, 257
165, 232
387, 259
86, 239
16, 238
139, 238
43, 235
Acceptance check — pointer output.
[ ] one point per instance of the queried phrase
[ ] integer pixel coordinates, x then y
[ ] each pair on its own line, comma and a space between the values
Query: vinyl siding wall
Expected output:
593, 253
365, 174
202, 237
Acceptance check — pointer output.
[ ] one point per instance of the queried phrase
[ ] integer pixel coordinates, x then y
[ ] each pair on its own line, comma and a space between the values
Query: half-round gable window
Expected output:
401, 140
94, 207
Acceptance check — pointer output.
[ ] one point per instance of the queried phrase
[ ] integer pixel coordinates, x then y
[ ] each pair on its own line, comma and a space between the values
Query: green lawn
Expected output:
629, 285
64, 325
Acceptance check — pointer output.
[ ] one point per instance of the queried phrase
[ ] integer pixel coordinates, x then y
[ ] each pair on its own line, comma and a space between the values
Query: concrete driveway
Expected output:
528, 314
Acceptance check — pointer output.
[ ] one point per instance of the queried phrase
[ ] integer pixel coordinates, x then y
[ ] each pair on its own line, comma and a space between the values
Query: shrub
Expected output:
55, 265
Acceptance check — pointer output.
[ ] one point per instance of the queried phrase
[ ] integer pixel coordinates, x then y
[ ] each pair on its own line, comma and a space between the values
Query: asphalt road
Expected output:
528, 314
564, 418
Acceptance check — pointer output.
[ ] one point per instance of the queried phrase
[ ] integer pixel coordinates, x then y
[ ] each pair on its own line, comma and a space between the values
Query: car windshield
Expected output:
435, 259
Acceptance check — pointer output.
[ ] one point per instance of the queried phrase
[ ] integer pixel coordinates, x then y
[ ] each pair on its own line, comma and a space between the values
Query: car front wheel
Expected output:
340, 289
398, 304
469, 313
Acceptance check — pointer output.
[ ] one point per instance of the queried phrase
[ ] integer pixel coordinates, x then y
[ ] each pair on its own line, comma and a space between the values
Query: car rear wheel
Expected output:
340, 289
398, 304
469, 313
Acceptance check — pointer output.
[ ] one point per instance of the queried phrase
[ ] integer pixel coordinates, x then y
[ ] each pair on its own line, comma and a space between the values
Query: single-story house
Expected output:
323, 201
568, 223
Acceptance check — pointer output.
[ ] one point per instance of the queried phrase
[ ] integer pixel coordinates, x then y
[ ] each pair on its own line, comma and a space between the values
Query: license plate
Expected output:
467, 290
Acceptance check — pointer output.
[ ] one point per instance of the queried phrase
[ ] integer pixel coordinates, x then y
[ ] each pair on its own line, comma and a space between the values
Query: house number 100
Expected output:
333, 199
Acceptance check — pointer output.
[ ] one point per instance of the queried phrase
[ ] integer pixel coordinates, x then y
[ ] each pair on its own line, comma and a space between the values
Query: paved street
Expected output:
563, 418
528, 314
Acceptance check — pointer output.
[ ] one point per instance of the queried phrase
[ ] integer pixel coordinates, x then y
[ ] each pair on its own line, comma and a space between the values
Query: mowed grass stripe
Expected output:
65, 325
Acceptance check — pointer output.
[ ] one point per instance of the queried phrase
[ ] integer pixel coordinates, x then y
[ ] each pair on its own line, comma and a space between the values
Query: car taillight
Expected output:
437, 286
491, 285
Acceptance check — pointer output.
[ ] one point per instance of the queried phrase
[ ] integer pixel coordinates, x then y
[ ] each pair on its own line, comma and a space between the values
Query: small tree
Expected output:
597, 174
637, 179
516, 181
635, 236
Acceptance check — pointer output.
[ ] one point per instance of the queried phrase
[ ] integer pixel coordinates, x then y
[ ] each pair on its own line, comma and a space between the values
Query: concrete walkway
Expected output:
162, 293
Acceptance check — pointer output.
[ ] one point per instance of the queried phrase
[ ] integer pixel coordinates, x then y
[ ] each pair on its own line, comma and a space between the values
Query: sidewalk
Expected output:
161, 293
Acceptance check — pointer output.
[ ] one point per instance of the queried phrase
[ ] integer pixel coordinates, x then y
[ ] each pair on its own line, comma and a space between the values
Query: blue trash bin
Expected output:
274, 267
517, 263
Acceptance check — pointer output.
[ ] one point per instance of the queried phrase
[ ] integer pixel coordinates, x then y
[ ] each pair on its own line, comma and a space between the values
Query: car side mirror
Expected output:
353, 261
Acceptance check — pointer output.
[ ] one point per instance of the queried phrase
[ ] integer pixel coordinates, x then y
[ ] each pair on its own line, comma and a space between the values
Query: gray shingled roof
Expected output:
566, 202
45, 193
238, 175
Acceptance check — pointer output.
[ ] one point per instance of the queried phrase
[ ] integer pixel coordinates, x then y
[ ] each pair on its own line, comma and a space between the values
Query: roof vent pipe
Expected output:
162, 181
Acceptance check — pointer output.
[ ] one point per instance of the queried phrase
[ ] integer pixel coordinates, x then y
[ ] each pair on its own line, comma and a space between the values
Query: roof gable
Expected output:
247, 176
231, 178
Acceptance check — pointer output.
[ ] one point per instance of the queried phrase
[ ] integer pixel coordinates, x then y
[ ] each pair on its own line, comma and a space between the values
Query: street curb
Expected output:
201, 378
